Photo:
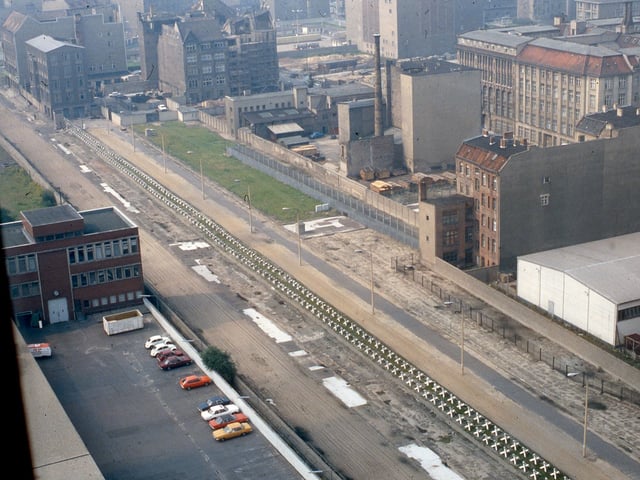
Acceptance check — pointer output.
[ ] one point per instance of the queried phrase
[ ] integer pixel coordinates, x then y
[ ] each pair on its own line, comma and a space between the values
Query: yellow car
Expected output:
233, 430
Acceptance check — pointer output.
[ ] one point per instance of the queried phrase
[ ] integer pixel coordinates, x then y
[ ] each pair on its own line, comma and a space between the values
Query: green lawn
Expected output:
19, 192
193, 144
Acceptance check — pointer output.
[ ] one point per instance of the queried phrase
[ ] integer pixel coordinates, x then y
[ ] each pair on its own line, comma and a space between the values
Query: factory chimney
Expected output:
378, 127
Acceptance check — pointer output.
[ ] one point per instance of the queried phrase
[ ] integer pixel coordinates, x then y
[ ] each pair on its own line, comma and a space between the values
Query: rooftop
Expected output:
98, 220
611, 267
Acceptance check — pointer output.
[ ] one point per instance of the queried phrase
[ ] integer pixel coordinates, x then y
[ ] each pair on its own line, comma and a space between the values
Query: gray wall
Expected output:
594, 190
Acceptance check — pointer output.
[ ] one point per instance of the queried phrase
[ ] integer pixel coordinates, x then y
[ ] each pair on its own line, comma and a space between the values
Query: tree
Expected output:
221, 362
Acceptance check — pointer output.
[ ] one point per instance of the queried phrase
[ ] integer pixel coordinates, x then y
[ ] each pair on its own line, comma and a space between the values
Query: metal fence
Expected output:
360, 211
511, 330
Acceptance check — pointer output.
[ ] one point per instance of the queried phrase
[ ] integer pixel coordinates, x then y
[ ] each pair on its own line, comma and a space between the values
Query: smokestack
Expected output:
378, 127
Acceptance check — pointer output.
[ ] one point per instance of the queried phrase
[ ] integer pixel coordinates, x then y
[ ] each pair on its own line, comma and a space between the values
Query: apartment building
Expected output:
601, 9
63, 264
415, 28
101, 39
429, 97
543, 11
539, 85
57, 77
202, 56
528, 198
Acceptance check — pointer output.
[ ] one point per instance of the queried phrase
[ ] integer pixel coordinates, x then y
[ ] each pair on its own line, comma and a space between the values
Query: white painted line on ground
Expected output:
84, 169
125, 203
267, 326
190, 245
298, 353
207, 274
430, 462
341, 390
316, 367
64, 149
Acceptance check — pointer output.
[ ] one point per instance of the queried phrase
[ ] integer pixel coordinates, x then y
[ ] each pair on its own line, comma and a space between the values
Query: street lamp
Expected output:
586, 414
298, 233
247, 198
296, 12
164, 155
372, 287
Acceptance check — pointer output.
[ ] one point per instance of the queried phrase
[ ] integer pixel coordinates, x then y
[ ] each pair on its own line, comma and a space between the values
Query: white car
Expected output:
162, 347
155, 340
218, 410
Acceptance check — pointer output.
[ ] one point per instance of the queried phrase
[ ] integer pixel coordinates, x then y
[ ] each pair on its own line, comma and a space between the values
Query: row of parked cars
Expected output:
225, 418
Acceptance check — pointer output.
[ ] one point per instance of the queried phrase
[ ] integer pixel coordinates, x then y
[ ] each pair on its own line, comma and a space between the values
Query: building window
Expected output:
544, 199
451, 237
449, 218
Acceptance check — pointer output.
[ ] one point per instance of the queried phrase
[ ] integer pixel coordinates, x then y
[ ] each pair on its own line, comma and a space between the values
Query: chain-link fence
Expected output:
511, 330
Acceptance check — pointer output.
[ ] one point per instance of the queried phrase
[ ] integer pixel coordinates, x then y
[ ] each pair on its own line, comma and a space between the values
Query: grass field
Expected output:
18, 191
194, 144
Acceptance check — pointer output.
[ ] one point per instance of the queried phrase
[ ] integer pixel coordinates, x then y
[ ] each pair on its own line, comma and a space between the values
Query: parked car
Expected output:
218, 411
162, 108
156, 339
226, 419
174, 361
194, 381
169, 353
162, 347
315, 135
232, 430
215, 400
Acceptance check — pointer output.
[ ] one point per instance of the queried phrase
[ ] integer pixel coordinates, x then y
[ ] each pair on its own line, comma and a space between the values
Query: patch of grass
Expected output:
19, 192
193, 144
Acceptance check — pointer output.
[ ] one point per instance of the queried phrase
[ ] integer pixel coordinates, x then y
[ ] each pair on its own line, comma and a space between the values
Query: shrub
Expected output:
221, 362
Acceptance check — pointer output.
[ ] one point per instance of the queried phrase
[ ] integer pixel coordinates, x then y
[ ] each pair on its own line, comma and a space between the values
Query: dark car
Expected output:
174, 361
170, 353
215, 400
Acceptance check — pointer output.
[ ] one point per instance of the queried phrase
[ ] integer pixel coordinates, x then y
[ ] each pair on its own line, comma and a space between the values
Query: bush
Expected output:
216, 359
48, 198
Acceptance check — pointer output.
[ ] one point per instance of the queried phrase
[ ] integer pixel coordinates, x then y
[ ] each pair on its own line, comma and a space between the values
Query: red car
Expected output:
194, 381
163, 355
174, 361
225, 420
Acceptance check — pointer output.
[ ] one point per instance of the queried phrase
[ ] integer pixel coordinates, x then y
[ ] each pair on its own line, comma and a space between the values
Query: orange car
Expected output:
194, 381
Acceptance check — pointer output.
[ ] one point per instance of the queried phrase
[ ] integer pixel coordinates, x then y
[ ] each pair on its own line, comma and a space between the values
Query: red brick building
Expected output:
62, 264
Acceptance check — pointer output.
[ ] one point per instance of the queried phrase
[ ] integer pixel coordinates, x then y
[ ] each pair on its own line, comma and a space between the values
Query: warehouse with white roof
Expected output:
594, 286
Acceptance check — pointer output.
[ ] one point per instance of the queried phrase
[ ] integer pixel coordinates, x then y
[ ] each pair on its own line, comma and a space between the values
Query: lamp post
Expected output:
164, 155
297, 233
586, 414
201, 178
296, 12
462, 343
373, 309
247, 198
372, 283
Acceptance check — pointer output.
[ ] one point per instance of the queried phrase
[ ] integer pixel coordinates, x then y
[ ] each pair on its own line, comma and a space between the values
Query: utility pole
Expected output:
164, 156
373, 309
586, 412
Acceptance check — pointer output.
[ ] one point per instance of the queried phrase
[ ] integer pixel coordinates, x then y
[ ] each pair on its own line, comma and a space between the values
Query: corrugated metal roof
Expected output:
610, 267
